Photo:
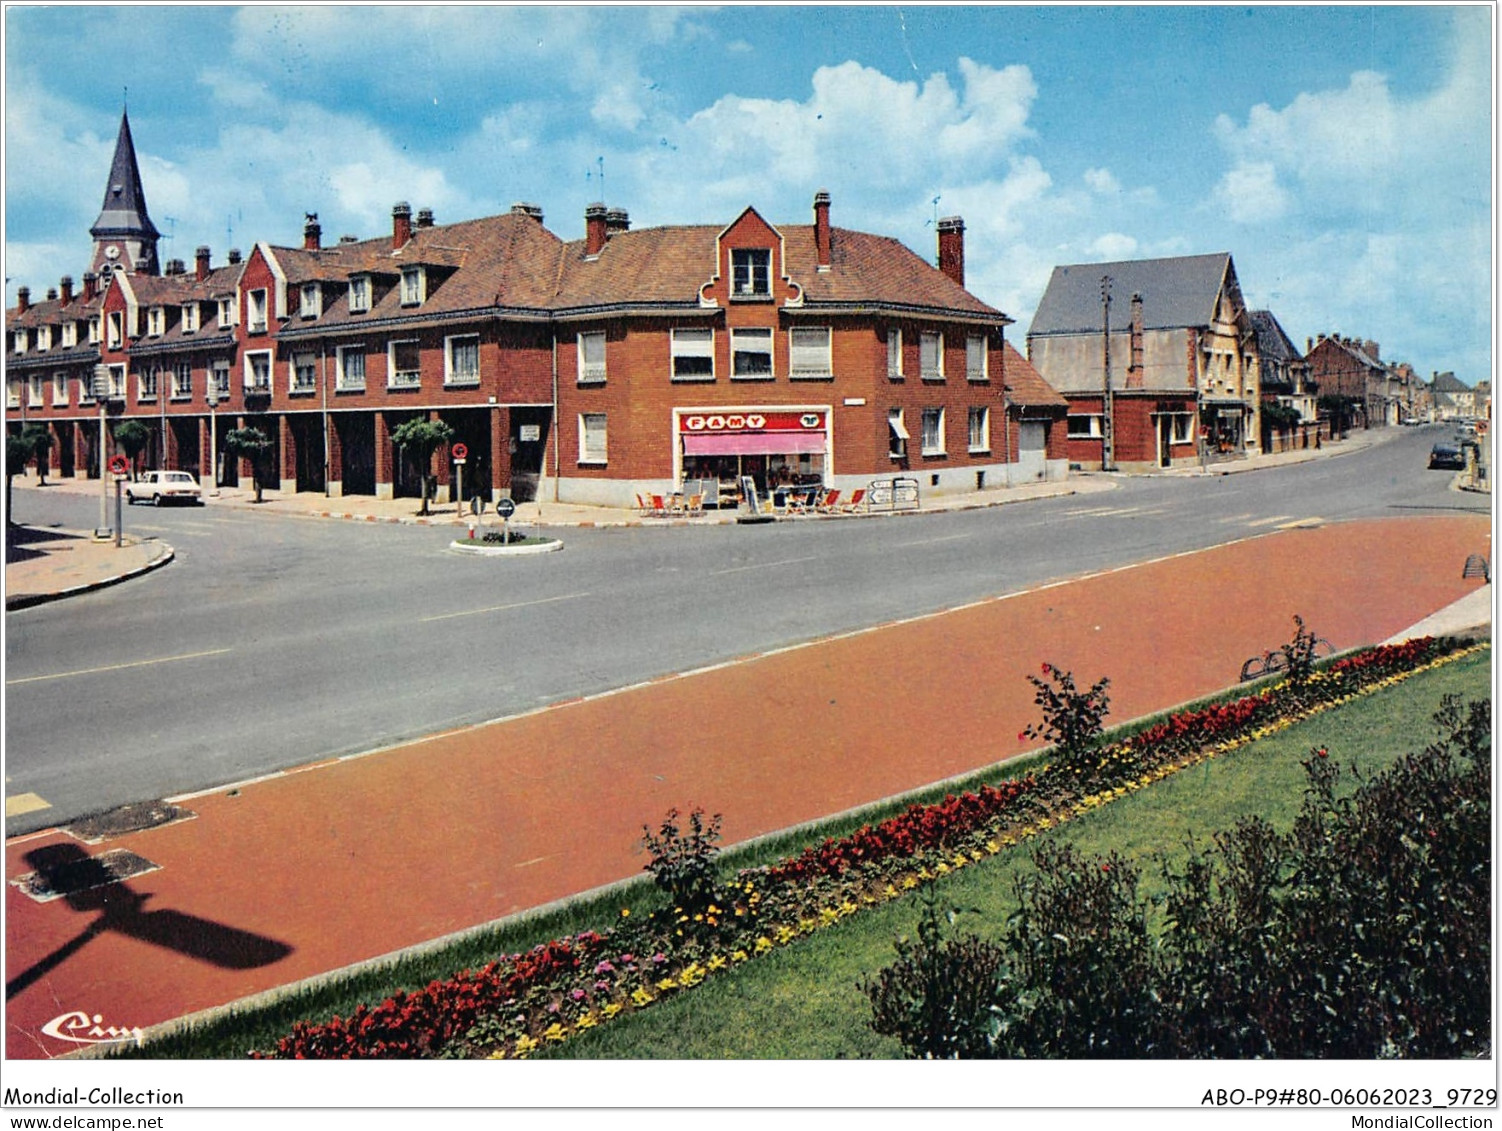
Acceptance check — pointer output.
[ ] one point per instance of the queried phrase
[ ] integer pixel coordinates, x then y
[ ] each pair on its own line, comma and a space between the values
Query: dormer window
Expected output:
312, 300
94, 330
44, 337
190, 317
20, 343
359, 293
156, 321
69, 335
226, 313
751, 272
414, 286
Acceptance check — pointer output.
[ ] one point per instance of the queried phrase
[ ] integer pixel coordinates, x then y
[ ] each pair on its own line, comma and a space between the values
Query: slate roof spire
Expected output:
123, 215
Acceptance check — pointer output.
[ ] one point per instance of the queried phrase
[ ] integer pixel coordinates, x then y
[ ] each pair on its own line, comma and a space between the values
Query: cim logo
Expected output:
81, 1029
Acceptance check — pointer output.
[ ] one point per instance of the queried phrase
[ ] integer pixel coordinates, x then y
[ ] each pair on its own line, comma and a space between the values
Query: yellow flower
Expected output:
909, 883
667, 984
524, 1045
784, 934
554, 1032
763, 945
739, 956
848, 908
692, 975
718, 962
992, 847
625, 912
588, 1021
942, 869
828, 915
891, 892
612, 1009
641, 997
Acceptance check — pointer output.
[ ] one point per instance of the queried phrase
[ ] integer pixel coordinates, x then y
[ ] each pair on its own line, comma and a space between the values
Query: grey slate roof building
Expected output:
124, 232
1176, 293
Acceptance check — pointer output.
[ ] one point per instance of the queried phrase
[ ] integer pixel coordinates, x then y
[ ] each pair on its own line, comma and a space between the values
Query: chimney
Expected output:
425, 218
821, 230
176, 267
312, 232
1373, 350
594, 229
401, 225
524, 208
66, 282
1134, 371
23, 299
349, 239
1308, 345
201, 262
234, 257
952, 248
617, 220
90, 286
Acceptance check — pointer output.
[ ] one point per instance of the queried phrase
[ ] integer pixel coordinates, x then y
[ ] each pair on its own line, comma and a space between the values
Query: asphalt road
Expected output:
272, 642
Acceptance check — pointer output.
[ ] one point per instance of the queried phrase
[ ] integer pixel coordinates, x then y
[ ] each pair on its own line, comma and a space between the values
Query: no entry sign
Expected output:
119, 465
460, 451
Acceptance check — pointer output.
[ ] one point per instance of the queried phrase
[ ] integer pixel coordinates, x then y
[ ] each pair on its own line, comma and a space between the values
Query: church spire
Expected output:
124, 234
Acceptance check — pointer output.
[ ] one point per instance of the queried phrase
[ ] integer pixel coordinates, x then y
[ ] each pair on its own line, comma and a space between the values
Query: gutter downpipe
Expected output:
323, 386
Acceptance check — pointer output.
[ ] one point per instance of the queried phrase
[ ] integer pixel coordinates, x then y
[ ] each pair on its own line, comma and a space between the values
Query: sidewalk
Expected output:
46, 563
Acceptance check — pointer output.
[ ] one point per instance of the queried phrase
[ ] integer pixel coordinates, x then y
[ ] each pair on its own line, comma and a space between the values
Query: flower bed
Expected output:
568, 986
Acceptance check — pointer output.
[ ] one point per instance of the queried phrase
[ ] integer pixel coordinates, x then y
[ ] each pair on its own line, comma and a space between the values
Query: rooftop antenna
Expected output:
935, 221
601, 160
172, 222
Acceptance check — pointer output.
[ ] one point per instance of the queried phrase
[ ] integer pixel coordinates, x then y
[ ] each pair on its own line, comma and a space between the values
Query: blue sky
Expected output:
1341, 154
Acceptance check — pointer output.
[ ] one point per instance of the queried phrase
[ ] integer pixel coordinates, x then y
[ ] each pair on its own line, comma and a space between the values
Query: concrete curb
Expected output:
27, 600
550, 546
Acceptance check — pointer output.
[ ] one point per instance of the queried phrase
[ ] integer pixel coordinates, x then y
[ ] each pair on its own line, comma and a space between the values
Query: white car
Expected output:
165, 487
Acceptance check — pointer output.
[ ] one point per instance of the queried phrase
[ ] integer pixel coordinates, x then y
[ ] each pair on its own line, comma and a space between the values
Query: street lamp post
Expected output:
101, 391
213, 436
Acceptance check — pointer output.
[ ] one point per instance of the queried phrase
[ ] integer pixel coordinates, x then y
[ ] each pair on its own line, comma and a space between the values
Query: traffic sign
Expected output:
459, 451
119, 465
505, 507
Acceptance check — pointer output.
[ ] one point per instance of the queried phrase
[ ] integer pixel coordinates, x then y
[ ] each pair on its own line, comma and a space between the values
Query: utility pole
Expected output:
1108, 429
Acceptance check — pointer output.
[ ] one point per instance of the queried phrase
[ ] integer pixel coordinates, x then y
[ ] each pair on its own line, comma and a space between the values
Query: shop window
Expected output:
897, 434
304, 373
592, 437
751, 353
59, 389
693, 355
312, 300
809, 350
931, 356
975, 358
592, 357
980, 428
933, 431
405, 364
351, 368
462, 360
751, 272
1084, 427
894, 354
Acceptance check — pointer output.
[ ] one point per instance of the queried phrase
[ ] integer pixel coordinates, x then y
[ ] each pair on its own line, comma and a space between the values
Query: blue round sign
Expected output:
505, 508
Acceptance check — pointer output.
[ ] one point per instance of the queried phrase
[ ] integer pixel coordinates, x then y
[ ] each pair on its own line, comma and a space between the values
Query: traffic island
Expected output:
495, 547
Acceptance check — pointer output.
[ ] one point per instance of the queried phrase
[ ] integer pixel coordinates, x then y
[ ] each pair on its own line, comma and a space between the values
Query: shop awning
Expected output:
753, 444
898, 428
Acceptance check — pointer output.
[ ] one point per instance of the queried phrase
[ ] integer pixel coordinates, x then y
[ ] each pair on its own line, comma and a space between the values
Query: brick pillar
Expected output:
169, 445
500, 451
286, 455
441, 468
336, 460
81, 448
385, 462
205, 454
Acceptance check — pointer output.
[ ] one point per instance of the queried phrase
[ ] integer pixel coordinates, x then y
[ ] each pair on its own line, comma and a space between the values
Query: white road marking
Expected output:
762, 565
1270, 521
503, 608
117, 667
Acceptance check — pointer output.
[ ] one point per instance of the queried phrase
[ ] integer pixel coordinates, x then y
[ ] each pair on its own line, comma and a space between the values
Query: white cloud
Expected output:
1113, 246
1102, 181
1250, 193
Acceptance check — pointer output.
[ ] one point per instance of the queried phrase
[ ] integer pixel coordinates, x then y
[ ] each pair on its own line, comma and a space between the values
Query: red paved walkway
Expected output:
305, 873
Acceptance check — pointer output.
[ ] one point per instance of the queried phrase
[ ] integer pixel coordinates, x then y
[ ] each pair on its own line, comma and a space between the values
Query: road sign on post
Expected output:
460, 452
505, 508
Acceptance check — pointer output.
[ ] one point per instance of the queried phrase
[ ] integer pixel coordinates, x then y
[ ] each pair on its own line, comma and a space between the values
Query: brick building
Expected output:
586, 370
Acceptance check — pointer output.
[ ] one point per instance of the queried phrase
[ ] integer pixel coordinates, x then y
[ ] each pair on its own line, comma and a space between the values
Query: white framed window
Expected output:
190, 318
980, 428
59, 389
931, 356
975, 358
304, 373
258, 372
311, 304
13, 393
359, 293
219, 378
897, 436
751, 271
19, 341
894, 354
44, 337
182, 380
226, 312
69, 334
146, 382
693, 354
751, 353
351, 368
117, 382
933, 431
592, 447
461, 359
592, 357
404, 364
414, 286
255, 310
809, 351
1183, 429
156, 322
34, 390
94, 330
1084, 427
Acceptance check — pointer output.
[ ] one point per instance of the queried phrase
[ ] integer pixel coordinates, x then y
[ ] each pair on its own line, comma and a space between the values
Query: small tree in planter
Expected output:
131, 437
40, 437
422, 438
253, 444
17, 455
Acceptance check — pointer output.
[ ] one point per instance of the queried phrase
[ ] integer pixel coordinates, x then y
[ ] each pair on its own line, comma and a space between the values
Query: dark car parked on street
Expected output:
1446, 456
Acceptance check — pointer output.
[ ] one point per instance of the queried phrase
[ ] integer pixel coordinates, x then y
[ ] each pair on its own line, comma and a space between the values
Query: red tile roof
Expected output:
1025, 385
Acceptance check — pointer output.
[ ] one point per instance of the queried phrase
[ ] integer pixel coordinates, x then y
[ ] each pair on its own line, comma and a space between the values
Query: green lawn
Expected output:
802, 1001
